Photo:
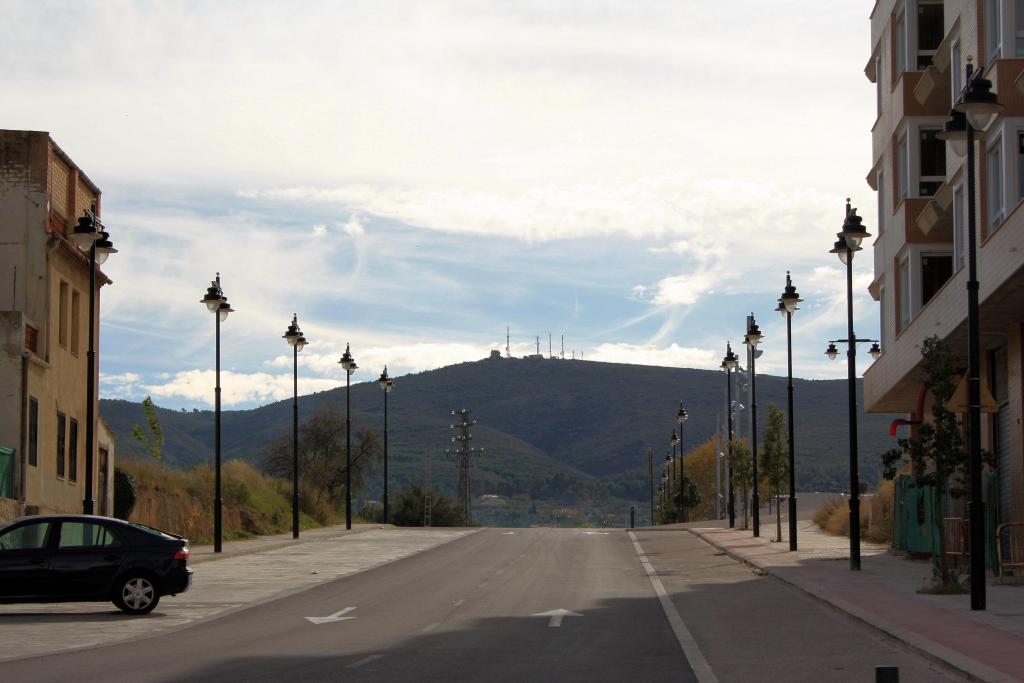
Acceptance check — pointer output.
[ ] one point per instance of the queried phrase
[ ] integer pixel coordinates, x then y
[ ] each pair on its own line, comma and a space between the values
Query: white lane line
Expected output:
364, 660
484, 584
700, 666
458, 603
430, 627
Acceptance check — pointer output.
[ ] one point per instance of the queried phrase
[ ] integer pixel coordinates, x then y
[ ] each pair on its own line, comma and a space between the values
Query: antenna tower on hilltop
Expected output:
464, 452
508, 353
562, 355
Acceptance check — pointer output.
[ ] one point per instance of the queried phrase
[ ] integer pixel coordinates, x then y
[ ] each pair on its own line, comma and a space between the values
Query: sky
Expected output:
412, 177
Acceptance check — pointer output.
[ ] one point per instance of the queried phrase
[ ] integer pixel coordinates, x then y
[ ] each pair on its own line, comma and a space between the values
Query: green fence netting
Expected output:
6, 472
914, 518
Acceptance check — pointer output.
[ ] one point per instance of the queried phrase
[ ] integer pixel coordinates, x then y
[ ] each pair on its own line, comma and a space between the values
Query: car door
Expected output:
86, 559
24, 561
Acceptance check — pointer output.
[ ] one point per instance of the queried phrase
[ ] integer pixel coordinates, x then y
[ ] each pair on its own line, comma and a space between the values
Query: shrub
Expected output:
124, 493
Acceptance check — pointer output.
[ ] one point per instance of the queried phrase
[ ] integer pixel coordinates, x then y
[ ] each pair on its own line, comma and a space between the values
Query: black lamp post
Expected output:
217, 303
388, 386
977, 104
349, 364
681, 418
788, 305
728, 363
670, 471
293, 335
89, 236
846, 245
752, 339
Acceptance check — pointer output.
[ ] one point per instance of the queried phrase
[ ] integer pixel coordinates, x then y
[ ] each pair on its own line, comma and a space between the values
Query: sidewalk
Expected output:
987, 645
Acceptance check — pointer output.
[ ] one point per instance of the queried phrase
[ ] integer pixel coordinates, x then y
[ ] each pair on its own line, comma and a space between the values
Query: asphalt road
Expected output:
466, 611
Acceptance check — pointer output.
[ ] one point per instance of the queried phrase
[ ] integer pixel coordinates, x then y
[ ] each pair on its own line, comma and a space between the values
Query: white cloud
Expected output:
682, 289
672, 355
236, 387
353, 227
319, 230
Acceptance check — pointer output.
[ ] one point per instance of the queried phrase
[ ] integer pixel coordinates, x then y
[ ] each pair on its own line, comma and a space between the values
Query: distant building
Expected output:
919, 50
44, 285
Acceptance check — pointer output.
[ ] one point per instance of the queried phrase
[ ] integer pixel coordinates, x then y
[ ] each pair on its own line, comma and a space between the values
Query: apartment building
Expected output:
44, 290
918, 56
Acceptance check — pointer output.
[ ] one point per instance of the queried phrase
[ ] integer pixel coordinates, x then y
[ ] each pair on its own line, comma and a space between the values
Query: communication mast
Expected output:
562, 355
550, 354
508, 353
464, 452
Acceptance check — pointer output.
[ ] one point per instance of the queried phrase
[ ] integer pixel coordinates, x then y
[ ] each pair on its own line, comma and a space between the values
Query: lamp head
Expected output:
831, 351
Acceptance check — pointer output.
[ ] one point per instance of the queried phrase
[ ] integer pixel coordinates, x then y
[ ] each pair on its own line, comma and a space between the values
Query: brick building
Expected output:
918, 57
44, 285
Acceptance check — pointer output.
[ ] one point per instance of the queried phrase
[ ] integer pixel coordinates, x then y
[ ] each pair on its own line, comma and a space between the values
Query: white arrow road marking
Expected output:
509, 533
337, 616
556, 616
364, 660
596, 533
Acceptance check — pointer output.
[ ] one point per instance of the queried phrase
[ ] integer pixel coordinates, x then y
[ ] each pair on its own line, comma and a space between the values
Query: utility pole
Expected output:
464, 453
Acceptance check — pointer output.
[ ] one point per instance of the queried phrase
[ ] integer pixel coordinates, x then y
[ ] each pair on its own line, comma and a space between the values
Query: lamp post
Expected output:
976, 106
388, 386
846, 245
788, 305
217, 304
728, 363
650, 475
670, 471
89, 236
348, 363
293, 335
681, 418
752, 339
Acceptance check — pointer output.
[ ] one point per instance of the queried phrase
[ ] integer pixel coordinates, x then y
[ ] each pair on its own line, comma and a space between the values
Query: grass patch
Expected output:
875, 515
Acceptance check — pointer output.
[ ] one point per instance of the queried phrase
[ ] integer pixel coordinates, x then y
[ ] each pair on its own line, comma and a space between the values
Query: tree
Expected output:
742, 473
775, 460
152, 438
936, 453
407, 508
322, 459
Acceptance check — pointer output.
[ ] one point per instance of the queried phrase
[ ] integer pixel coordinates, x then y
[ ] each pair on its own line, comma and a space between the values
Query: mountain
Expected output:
549, 427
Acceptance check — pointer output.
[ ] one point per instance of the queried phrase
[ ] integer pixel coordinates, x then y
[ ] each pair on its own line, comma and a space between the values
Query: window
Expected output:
995, 183
1020, 164
929, 31
1018, 29
30, 536
61, 439
882, 316
904, 284
959, 228
878, 85
902, 171
73, 450
76, 323
935, 270
881, 202
957, 67
993, 30
33, 431
933, 162
899, 45
85, 535
62, 313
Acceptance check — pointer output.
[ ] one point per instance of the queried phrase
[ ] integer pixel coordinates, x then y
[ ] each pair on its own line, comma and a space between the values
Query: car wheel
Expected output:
136, 594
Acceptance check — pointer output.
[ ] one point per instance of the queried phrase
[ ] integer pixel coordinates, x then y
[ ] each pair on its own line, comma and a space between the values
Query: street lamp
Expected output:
788, 305
217, 304
348, 363
388, 386
752, 339
293, 335
681, 418
847, 244
979, 105
728, 363
90, 237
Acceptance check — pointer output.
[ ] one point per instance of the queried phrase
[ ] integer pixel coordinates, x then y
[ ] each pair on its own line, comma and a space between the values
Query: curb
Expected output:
259, 547
971, 668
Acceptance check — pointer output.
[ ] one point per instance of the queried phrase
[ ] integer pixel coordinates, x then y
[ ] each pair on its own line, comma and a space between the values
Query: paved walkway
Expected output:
247, 572
988, 645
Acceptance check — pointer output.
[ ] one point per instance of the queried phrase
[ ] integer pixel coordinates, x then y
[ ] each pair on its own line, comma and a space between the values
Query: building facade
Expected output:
919, 50
44, 305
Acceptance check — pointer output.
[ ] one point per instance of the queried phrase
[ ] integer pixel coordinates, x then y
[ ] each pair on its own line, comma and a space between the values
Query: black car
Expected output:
65, 558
